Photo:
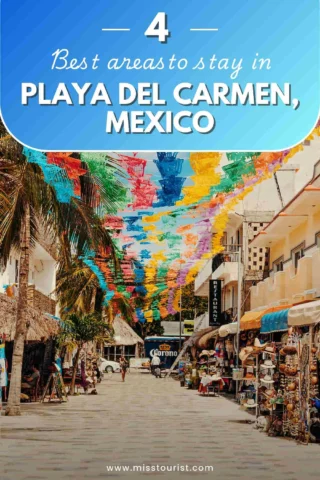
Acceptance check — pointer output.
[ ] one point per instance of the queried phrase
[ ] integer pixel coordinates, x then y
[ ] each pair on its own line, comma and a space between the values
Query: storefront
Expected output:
280, 362
210, 359
39, 348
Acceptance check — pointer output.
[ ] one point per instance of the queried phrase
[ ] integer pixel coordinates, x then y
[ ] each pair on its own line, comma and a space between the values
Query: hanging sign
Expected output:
215, 318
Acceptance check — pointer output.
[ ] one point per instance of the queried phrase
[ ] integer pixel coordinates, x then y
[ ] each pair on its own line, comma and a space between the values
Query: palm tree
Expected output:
79, 292
27, 200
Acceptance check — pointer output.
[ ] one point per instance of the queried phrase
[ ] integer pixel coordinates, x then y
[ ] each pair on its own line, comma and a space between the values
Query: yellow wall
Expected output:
305, 232
277, 250
291, 284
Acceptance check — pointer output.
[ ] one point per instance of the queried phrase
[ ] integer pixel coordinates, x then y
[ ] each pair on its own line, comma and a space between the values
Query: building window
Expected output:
278, 265
239, 237
297, 253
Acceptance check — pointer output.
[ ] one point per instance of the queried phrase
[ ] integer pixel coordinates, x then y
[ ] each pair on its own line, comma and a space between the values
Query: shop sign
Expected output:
163, 350
215, 317
166, 350
188, 327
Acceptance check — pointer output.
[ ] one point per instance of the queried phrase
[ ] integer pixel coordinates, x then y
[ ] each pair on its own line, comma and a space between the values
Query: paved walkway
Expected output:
145, 421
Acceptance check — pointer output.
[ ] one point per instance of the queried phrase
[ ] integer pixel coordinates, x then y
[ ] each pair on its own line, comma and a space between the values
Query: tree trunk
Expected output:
13, 406
93, 301
74, 373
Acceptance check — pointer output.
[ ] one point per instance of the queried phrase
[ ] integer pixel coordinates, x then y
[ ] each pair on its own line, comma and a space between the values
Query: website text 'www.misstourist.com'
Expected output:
160, 468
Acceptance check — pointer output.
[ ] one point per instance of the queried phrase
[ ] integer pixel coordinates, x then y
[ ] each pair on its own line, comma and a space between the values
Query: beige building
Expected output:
241, 229
253, 214
293, 239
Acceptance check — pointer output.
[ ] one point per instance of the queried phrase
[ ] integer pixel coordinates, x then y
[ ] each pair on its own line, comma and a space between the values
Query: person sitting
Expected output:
30, 381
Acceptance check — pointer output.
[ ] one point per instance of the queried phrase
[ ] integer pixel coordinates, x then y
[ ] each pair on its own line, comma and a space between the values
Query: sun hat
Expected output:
245, 353
267, 364
267, 379
250, 403
250, 388
204, 352
269, 349
248, 376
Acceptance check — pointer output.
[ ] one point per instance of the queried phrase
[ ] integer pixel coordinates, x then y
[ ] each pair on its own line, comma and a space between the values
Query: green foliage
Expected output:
191, 305
83, 328
76, 225
148, 329
108, 175
77, 287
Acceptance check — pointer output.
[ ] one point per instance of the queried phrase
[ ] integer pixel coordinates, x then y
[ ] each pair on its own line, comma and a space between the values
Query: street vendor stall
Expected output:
39, 345
214, 355
280, 370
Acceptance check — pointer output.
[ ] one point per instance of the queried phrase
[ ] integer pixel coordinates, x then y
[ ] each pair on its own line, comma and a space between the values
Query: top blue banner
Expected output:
219, 75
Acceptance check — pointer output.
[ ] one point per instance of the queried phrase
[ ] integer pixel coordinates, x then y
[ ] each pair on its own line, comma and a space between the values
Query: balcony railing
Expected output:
230, 254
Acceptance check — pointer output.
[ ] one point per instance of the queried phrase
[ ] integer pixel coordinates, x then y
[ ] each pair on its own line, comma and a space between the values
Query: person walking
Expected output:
123, 365
155, 362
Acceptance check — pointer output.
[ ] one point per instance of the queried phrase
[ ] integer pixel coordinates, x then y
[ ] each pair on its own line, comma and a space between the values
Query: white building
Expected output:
42, 277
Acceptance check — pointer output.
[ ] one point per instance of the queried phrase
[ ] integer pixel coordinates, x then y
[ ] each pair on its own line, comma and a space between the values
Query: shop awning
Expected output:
228, 329
203, 341
251, 320
275, 321
304, 314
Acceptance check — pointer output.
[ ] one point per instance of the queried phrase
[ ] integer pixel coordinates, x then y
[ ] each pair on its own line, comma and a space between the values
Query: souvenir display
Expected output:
286, 374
